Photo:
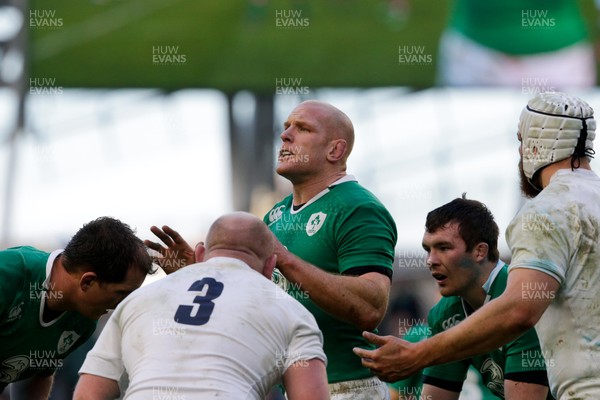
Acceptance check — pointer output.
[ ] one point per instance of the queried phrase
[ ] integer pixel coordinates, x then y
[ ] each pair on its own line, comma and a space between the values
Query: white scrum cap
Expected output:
554, 126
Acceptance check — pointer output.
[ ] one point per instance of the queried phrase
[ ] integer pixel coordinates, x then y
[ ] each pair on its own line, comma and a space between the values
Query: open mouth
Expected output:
439, 277
285, 153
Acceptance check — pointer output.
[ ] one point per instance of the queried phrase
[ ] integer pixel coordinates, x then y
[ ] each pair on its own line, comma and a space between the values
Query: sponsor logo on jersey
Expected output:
450, 322
16, 312
275, 214
496, 377
315, 222
12, 367
66, 340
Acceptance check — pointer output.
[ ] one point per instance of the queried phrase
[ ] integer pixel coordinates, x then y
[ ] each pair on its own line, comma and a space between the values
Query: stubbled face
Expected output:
304, 146
454, 269
102, 297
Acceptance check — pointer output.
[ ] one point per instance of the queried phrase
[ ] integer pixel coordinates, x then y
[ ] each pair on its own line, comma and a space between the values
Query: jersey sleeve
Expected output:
105, 359
367, 238
542, 238
524, 355
306, 342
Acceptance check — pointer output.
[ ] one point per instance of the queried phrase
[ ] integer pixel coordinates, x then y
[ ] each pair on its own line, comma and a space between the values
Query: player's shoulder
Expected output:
23, 253
350, 199
17, 261
278, 208
353, 193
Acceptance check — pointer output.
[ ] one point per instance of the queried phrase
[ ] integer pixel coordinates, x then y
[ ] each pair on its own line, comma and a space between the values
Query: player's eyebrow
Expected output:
301, 123
440, 243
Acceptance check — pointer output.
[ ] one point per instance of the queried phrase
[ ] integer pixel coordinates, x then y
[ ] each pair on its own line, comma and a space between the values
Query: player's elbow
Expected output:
369, 320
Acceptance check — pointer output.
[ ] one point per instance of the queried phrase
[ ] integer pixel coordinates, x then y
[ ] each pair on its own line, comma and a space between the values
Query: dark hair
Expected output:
107, 247
475, 223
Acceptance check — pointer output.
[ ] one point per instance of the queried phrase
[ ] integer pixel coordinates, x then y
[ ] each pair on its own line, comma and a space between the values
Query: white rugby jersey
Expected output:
558, 233
216, 328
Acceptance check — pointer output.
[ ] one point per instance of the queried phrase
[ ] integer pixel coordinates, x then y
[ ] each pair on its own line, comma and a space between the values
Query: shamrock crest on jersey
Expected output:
67, 339
315, 222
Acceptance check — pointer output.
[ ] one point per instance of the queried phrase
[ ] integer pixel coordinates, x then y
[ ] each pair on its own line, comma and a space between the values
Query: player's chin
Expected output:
284, 168
446, 290
97, 314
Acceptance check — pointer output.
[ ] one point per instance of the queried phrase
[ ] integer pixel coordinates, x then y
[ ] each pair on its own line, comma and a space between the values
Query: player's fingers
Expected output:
375, 339
363, 353
152, 245
174, 235
164, 237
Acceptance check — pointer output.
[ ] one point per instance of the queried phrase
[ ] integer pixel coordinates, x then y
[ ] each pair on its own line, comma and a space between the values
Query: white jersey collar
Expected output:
488, 284
46, 284
49, 265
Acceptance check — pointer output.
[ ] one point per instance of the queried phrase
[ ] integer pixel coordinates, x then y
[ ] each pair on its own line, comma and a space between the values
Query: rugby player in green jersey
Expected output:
335, 246
50, 302
461, 240
336, 242
554, 279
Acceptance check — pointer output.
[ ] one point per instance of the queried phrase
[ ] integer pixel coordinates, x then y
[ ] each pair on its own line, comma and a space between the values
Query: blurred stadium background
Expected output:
168, 112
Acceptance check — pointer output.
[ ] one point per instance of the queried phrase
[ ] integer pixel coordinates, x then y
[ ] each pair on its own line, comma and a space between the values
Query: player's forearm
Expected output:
35, 388
94, 387
356, 300
437, 393
523, 390
487, 329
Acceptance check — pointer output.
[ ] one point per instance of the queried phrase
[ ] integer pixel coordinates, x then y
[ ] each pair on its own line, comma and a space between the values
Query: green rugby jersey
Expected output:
411, 387
520, 357
342, 228
520, 27
29, 346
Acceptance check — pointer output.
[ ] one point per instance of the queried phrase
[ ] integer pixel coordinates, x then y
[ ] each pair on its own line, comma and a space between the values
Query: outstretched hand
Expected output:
177, 254
393, 360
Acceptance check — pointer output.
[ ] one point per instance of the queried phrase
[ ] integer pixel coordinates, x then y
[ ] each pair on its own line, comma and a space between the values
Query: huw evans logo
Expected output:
44, 19
290, 86
44, 86
290, 19
167, 55
532, 86
536, 19
414, 55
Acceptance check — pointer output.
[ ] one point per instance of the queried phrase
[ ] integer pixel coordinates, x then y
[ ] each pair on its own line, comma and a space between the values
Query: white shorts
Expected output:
359, 389
463, 62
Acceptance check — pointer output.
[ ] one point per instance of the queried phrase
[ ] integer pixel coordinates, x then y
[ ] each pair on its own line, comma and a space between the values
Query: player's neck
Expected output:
549, 171
476, 296
304, 191
57, 299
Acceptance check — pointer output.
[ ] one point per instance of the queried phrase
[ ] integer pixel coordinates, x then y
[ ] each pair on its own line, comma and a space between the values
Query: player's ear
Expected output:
270, 266
337, 150
86, 280
199, 252
481, 251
